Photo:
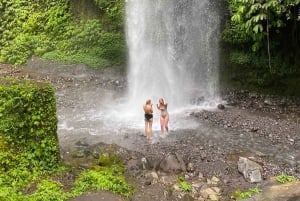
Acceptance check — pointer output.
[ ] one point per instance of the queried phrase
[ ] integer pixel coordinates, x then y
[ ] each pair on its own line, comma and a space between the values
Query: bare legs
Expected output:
148, 129
164, 121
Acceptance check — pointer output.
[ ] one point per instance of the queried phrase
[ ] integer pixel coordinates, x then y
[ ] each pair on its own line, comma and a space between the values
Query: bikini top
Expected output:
162, 107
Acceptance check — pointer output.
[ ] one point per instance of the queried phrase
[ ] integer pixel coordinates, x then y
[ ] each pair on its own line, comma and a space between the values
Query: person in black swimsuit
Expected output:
148, 119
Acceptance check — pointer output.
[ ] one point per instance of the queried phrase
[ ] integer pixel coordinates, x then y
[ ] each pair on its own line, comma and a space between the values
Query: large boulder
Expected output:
173, 162
250, 170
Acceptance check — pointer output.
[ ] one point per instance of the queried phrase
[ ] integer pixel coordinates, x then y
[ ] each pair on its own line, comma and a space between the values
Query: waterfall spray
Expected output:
173, 51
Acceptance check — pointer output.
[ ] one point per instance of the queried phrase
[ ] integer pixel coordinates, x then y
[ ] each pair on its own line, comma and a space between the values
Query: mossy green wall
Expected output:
29, 120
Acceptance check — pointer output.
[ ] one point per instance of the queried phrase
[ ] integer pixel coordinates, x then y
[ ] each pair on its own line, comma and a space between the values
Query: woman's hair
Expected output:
148, 101
163, 100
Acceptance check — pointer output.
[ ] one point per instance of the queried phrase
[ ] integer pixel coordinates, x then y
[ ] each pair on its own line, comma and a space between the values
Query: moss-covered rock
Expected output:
29, 120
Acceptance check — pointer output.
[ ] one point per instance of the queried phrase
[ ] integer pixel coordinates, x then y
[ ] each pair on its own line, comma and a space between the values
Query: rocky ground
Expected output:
209, 166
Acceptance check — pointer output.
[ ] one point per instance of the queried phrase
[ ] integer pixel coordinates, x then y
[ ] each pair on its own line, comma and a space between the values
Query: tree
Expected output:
256, 21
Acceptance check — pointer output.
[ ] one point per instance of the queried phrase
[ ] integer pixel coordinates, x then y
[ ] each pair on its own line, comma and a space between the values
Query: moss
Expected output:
108, 160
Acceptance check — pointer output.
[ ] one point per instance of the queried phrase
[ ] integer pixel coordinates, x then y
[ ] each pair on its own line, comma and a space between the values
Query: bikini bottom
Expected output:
148, 117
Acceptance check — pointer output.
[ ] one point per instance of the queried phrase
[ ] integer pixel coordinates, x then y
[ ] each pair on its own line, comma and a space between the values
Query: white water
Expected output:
173, 52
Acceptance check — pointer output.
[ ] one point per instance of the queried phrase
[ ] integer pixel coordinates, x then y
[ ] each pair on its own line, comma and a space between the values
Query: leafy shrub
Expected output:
113, 13
29, 122
247, 194
285, 178
183, 185
47, 29
47, 190
105, 178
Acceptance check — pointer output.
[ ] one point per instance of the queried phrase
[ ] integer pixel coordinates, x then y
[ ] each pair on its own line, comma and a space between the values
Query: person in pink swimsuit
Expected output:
164, 115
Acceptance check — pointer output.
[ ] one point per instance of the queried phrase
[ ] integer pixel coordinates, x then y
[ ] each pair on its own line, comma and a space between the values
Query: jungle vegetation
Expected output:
49, 29
263, 39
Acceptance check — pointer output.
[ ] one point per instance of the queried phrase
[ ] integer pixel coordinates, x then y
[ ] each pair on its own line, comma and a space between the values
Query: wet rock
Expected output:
190, 167
173, 162
280, 192
78, 154
250, 170
213, 181
210, 193
221, 107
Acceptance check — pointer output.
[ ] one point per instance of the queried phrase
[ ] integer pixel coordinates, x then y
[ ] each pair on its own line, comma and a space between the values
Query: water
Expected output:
173, 52
90, 113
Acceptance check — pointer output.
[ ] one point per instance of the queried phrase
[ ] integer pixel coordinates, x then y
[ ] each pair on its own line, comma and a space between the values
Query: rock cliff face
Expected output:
84, 9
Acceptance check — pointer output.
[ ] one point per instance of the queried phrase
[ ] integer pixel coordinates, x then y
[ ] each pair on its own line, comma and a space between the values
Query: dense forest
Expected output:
89, 32
261, 38
263, 41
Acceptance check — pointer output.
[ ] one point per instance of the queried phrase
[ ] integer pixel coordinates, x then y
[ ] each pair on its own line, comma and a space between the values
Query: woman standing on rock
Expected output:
148, 119
164, 115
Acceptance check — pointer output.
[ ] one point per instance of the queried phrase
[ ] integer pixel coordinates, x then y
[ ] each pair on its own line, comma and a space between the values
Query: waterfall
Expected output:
173, 51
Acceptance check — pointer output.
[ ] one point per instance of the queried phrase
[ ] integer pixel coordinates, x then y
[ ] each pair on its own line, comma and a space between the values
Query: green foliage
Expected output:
28, 127
46, 29
247, 194
108, 160
249, 18
252, 21
238, 57
285, 178
88, 43
17, 51
113, 13
262, 40
105, 178
29, 109
183, 185
47, 190
29, 146
22, 21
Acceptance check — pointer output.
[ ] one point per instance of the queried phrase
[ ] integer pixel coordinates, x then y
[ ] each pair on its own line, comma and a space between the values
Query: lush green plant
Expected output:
184, 185
247, 194
46, 29
113, 13
285, 178
29, 146
88, 43
252, 19
47, 190
29, 109
256, 36
104, 178
22, 21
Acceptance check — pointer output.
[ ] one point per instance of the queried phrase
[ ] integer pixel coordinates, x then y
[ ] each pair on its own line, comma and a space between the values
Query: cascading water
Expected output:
173, 51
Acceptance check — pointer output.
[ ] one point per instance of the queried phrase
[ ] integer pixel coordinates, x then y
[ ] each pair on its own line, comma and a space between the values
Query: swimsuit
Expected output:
148, 117
164, 112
